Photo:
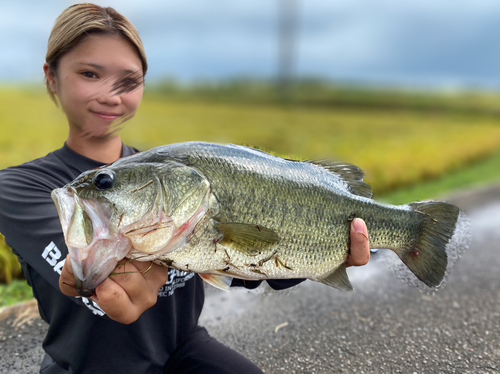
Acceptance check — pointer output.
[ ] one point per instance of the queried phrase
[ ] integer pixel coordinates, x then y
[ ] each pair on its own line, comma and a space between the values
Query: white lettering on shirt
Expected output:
59, 266
94, 308
176, 279
52, 254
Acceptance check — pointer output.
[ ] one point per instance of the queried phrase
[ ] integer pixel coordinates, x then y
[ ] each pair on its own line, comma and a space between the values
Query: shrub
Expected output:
10, 268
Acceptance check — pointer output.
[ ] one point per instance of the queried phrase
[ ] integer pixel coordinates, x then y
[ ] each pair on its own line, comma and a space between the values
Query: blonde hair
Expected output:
80, 20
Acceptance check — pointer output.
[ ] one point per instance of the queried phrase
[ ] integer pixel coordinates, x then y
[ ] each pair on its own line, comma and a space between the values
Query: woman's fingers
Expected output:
360, 244
127, 293
67, 279
131, 290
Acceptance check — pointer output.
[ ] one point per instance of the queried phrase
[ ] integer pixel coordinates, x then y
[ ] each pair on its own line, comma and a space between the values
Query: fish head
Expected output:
144, 209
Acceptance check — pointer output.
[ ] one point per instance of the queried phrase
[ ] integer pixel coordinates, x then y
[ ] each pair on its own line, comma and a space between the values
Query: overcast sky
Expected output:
432, 43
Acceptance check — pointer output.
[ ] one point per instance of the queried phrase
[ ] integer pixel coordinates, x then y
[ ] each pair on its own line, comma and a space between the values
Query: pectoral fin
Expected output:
222, 282
338, 279
249, 239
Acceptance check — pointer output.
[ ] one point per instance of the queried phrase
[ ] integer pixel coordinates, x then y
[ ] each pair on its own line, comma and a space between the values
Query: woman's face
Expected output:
99, 84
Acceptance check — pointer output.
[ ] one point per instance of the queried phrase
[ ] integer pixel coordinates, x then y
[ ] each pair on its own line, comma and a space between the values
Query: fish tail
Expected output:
427, 256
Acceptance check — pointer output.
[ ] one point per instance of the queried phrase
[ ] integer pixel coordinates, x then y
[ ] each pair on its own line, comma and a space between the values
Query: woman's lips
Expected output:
107, 116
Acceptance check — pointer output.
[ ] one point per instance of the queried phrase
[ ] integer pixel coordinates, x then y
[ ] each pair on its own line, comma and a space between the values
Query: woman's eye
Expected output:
89, 74
128, 83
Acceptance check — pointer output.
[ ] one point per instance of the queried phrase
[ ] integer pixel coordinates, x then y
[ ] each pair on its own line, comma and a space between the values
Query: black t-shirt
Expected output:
81, 338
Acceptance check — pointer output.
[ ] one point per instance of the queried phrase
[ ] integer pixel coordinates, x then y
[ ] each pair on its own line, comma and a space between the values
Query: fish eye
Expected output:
104, 180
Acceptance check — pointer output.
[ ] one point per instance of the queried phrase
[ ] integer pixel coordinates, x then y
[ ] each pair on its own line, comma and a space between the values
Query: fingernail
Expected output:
358, 225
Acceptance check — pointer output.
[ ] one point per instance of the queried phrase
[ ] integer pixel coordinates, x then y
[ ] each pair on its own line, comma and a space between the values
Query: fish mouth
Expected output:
98, 235
94, 250
82, 291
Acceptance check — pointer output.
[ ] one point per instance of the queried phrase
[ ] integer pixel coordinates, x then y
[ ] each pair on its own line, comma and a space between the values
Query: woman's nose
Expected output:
106, 93
107, 97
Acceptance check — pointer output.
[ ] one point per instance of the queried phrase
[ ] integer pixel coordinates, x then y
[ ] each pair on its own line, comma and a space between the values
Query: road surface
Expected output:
384, 326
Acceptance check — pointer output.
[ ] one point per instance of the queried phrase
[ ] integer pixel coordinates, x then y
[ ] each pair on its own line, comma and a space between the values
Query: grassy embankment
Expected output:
412, 146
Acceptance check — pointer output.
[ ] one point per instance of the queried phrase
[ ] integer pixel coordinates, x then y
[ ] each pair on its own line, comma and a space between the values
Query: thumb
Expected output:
360, 244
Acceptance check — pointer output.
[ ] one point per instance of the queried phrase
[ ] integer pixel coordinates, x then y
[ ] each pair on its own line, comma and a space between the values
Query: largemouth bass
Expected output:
227, 211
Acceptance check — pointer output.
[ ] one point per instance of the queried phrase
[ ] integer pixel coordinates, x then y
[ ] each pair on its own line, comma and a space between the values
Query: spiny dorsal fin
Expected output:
338, 279
249, 239
351, 174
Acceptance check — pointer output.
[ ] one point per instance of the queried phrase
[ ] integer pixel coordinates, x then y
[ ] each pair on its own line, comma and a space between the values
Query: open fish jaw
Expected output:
94, 252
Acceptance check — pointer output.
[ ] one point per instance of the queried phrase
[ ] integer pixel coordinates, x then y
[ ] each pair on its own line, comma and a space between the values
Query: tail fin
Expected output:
427, 258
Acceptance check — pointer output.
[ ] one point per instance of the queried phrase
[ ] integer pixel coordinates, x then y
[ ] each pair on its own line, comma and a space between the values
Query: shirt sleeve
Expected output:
276, 284
31, 226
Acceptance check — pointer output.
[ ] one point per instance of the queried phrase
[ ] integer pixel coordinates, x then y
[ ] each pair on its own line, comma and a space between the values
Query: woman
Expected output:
95, 68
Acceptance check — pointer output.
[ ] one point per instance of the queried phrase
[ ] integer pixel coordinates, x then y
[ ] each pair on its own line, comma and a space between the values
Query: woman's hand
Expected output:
127, 294
360, 244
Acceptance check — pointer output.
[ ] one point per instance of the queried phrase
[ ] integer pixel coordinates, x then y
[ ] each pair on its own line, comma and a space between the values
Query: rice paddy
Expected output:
397, 148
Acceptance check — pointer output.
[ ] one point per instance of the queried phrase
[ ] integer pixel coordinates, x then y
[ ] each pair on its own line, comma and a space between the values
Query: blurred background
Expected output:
426, 44
408, 90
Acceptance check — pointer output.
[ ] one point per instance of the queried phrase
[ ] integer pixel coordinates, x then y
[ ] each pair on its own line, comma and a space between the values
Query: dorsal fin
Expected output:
351, 174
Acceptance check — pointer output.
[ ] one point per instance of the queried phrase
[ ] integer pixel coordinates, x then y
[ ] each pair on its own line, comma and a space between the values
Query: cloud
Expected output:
426, 41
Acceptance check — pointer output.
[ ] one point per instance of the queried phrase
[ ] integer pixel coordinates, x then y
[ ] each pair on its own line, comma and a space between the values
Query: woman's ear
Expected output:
50, 76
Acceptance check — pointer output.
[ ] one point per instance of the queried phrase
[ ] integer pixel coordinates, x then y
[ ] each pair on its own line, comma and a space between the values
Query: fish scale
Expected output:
326, 244
244, 213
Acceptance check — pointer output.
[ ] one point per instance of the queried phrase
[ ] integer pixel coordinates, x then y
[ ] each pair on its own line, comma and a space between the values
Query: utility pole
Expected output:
287, 30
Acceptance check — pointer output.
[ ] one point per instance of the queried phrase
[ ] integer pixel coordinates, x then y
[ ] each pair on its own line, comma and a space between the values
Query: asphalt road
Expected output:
384, 326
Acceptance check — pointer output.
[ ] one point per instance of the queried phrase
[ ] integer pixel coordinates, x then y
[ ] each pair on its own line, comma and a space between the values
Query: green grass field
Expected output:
411, 146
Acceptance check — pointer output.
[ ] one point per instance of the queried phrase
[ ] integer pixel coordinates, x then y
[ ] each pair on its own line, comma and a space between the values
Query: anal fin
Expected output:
338, 279
222, 282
